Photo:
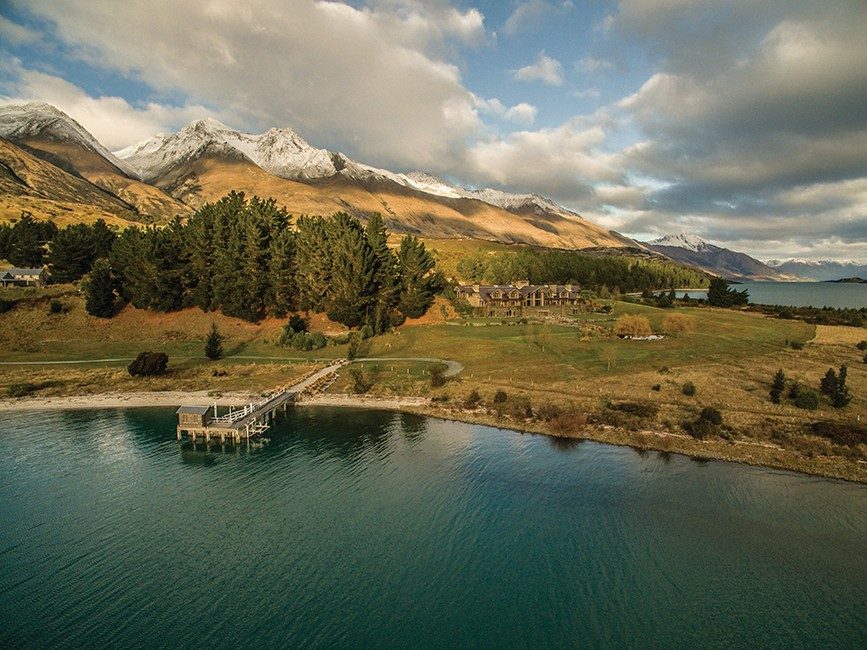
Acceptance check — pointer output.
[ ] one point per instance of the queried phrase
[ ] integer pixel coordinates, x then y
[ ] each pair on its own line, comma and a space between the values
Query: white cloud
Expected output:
111, 120
16, 34
377, 82
545, 69
561, 162
525, 14
522, 113
591, 64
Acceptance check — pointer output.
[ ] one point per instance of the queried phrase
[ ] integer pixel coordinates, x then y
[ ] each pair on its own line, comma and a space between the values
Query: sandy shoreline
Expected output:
178, 398
751, 453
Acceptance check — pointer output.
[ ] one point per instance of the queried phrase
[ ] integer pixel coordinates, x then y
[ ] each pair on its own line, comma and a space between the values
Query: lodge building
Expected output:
523, 299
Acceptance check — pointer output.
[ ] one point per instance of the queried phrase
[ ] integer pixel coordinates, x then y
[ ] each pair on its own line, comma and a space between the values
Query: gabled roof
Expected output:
197, 410
16, 271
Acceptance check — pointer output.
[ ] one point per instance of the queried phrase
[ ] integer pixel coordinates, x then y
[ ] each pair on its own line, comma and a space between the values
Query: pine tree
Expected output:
840, 394
214, 344
778, 386
27, 242
312, 263
99, 291
386, 275
829, 382
415, 264
351, 291
281, 273
719, 294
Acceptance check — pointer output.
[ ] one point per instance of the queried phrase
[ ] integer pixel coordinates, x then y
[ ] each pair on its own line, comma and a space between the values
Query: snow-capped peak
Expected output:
429, 184
518, 201
20, 122
281, 152
689, 242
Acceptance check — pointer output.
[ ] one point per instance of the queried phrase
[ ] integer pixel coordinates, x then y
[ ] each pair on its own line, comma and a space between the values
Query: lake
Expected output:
800, 294
368, 529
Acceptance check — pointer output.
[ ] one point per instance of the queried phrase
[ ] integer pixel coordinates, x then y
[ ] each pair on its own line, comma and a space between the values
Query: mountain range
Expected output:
820, 270
50, 165
695, 251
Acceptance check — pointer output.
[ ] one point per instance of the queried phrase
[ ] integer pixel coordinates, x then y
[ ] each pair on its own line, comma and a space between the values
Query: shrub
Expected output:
56, 307
22, 389
678, 324
7, 305
548, 412
396, 318
295, 324
861, 345
472, 400
808, 399
700, 428
318, 340
500, 397
842, 433
518, 408
632, 325
438, 374
712, 415
795, 390
796, 345
656, 387
688, 389
638, 409
567, 422
148, 364
359, 385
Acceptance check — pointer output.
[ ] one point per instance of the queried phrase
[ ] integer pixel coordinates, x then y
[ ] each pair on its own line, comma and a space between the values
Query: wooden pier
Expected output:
250, 420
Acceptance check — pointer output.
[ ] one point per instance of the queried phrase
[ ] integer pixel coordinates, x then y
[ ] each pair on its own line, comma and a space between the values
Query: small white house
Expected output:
21, 277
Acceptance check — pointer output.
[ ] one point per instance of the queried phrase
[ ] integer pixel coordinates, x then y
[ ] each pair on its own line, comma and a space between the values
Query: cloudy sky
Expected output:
742, 121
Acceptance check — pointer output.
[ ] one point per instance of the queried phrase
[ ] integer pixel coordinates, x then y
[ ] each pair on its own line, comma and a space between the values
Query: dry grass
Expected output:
730, 358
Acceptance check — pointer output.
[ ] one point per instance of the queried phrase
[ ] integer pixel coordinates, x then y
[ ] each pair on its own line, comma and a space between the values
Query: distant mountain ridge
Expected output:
173, 174
695, 251
820, 270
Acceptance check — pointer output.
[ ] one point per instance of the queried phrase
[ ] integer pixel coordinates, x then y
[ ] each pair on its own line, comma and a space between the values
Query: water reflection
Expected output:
565, 444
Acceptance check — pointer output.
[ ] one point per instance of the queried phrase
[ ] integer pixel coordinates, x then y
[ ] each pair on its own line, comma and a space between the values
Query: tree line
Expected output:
621, 272
240, 256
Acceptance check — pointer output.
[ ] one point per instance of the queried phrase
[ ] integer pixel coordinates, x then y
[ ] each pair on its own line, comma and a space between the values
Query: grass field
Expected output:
578, 365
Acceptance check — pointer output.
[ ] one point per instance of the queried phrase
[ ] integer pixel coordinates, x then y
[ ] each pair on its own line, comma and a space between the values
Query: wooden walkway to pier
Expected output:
250, 420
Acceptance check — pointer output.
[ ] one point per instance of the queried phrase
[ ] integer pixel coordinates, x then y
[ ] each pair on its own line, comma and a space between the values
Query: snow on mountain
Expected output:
281, 152
683, 240
20, 122
519, 201
820, 270
284, 153
432, 185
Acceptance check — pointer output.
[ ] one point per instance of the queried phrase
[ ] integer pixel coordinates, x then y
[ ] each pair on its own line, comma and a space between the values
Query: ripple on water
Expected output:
371, 528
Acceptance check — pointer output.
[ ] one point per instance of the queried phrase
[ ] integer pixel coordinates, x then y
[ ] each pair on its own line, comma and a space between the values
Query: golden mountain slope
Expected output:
48, 192
209, 178
152, 203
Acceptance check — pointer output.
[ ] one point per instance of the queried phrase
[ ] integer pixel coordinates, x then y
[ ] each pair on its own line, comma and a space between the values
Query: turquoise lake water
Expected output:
801, 294
374, 529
